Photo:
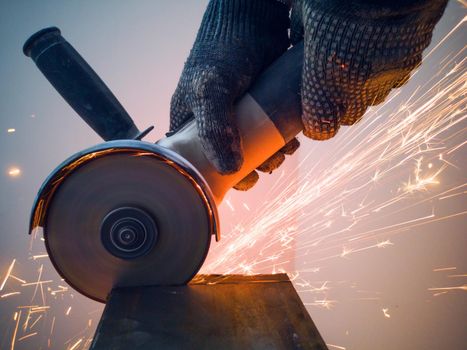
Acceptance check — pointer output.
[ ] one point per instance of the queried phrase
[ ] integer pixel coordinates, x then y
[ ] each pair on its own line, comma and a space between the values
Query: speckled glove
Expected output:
355, 53
236, 41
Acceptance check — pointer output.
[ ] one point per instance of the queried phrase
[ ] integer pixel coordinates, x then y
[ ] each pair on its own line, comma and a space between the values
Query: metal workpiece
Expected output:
231, 312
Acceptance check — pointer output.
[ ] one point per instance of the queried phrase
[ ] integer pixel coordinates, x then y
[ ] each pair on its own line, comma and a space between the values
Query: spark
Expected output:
36, 283
386, 313
27, 336
17, 278
9, 294
13, 340
40, 256
444, 269
68, 311
39, 309
11, 130
34, 323
384, 244
75, 345
464, 287
336, 346
325, 303
10, 268
229, 204
52, 326
14, 172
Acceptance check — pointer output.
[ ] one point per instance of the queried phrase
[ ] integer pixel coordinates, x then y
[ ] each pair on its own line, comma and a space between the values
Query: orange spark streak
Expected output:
13, 340
464, 287
34, 257
7, 274
38, 280
336, 346
27, 336
444, 269
75, 345
9, 294
34, 323
52, 327
36, 283
18, 279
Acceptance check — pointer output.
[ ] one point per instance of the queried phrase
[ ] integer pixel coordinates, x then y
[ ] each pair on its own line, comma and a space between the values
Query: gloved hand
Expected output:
236, 41
355, 53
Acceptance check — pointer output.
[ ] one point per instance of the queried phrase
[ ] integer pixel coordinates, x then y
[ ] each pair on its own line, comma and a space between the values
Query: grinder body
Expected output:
181, 183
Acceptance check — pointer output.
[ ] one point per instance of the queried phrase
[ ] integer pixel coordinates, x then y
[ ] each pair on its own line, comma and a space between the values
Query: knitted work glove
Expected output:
236, 41
355, 53
272, 163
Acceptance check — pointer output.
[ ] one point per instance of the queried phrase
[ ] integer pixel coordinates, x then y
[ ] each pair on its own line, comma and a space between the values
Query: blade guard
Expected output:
50, 185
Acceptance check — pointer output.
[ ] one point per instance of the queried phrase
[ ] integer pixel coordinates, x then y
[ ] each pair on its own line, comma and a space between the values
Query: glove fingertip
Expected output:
291, 147
272, 163
247, 182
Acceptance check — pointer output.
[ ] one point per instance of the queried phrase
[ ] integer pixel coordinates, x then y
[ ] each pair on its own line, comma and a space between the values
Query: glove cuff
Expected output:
243, 20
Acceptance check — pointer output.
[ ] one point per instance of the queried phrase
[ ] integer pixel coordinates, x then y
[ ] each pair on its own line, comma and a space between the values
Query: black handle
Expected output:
277, 91
79, 85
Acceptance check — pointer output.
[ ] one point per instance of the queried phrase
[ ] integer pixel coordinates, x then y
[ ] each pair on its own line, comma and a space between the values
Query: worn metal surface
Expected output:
212, 312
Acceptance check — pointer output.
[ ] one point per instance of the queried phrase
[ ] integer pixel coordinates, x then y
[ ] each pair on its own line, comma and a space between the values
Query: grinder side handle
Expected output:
79, 85
268, 116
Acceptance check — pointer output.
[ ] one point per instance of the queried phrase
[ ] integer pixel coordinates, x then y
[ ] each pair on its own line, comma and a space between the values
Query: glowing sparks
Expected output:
9, 294
27, 336
17, 318
392, 173
75, 345
68, 311
10, 268
229, 204
336, 346
39, 256
324, 303
11, 130
464, 288
14, 172
444, 269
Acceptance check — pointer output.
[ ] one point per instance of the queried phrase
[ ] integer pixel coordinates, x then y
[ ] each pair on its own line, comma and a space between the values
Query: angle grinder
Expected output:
129, 213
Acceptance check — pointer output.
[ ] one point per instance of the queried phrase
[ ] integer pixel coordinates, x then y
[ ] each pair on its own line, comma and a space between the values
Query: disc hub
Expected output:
128, 232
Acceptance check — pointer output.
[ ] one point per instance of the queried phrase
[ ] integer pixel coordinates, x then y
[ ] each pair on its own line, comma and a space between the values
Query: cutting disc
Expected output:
126, 219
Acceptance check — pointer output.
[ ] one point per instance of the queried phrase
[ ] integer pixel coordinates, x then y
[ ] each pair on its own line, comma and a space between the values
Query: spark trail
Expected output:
382, 174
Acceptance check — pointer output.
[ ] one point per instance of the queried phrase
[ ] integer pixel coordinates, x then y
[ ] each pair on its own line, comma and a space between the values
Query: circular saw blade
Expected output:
102, 185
